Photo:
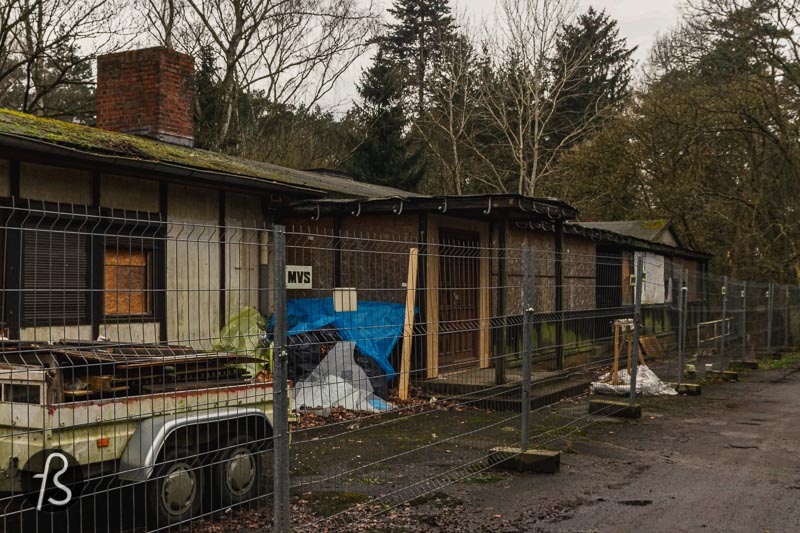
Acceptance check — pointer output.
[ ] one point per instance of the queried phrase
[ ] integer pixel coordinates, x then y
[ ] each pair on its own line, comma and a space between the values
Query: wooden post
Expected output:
408, 325
432, 298
615, 368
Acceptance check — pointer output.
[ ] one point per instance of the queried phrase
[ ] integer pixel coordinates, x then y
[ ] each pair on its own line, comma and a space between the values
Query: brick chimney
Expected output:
148, 92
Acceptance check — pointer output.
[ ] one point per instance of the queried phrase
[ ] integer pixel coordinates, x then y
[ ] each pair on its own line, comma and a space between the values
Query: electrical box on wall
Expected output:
345, 299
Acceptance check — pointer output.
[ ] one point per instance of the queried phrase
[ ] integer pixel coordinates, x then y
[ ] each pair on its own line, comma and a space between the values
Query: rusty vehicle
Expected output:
186, 425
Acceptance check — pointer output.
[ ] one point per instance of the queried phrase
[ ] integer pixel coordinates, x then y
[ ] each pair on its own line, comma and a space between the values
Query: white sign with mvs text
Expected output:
298, 277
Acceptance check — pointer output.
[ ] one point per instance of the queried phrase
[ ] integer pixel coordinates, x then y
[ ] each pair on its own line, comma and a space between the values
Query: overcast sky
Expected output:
639, 21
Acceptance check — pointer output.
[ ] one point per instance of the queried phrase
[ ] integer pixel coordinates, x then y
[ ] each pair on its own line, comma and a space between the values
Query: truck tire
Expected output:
236, 472
175, 491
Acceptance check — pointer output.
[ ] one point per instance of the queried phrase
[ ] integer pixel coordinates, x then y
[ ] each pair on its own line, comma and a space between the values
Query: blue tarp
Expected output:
375, 328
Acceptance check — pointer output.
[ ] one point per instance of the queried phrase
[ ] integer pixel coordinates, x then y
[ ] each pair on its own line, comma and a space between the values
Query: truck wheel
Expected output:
236, 472
175, 491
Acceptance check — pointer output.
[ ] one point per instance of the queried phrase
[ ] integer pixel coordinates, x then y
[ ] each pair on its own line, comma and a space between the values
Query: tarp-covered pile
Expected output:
647, 383
339, 382
341, 359
374, 328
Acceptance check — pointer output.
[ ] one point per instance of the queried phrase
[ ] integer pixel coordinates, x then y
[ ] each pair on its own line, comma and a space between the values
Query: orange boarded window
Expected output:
127, 282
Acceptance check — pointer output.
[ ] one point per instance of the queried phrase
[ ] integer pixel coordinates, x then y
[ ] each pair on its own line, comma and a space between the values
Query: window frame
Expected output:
147, 245
101, 227
54, 219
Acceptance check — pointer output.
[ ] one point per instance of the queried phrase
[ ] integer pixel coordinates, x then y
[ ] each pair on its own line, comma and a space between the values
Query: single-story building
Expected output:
126, 231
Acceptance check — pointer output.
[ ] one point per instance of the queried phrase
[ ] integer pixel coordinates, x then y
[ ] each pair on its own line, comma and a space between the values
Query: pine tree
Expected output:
383, 154
592, 72
424, 27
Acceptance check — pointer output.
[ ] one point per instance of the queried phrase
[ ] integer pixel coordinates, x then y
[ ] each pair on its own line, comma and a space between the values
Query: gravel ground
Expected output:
723, 461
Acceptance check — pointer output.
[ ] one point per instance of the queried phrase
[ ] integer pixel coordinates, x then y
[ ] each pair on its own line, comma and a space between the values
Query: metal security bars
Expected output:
161, 374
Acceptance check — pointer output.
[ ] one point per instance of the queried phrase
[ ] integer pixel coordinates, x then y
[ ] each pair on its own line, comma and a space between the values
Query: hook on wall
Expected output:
398, 211
357, 212
488, 209
443, 208
316, 216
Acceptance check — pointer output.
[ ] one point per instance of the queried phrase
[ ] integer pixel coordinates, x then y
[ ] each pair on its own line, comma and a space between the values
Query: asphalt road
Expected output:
726, 461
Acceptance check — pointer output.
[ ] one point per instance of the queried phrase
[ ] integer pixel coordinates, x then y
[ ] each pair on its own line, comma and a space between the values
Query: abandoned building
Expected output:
189, 230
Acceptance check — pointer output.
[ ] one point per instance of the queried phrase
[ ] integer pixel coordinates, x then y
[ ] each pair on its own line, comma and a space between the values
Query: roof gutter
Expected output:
15, 142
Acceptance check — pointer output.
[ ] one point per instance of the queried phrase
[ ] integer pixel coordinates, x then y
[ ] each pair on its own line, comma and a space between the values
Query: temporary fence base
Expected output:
690, 389
727, 375
614, 408
746, 365
528, 461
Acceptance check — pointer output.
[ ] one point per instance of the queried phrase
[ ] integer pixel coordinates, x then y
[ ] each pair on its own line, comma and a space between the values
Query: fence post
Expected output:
786, 318
744, 321
769, 318
529, 282
637, 317
722, 324
280, 389
682, 297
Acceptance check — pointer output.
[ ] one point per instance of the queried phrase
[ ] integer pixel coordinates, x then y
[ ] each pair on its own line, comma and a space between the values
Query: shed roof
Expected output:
635, 243
647, 230
23, 131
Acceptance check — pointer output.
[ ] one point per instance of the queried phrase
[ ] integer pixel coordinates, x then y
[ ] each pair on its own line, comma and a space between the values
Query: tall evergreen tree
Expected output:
383, 154
416, 41
592, 71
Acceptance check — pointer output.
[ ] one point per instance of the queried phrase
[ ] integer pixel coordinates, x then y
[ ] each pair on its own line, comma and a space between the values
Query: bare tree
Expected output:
519, 97
162, 18
291, 51
47, 46
448, 123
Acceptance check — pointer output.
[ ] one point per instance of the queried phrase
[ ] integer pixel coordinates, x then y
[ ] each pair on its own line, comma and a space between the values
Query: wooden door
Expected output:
459, 312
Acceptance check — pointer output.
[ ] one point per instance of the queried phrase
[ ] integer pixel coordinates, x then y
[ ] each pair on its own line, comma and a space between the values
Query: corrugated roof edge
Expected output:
643, 244
541, 207
39, 134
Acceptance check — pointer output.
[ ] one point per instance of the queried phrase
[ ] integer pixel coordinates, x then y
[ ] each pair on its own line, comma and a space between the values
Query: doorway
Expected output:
459, 292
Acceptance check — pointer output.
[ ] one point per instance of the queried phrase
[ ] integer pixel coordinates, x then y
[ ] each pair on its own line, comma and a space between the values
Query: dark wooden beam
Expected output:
97, 266
337, 251
222, 259
559, 258
12, 258
160, 267
501, 338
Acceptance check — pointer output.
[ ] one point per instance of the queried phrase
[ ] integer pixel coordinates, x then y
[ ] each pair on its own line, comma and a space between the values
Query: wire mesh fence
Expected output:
157, 373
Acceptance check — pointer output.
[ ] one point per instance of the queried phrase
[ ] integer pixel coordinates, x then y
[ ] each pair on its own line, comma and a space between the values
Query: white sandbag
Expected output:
647, 383
339, 382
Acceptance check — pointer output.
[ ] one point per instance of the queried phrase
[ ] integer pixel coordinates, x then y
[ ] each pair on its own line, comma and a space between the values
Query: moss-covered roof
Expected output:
124, 147
648, 230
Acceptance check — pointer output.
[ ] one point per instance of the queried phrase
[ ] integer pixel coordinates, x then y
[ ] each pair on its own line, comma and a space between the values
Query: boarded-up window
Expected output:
55, 277
128, 275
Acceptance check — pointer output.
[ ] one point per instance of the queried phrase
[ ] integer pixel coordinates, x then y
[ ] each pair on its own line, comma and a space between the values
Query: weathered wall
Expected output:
375, 255
193, 266
141, 332
55, 334
693, 278
310, 242
580, 284
122, 192
544, 292
242, 247
55, 184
